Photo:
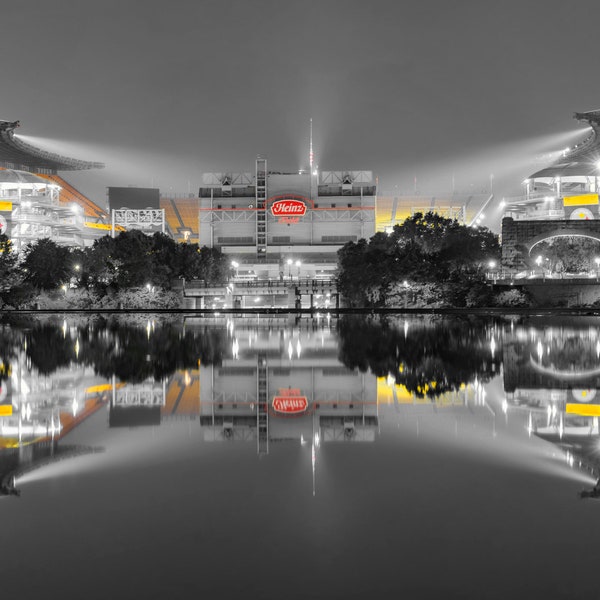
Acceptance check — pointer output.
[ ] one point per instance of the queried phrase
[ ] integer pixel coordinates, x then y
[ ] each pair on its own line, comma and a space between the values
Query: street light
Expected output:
235, 265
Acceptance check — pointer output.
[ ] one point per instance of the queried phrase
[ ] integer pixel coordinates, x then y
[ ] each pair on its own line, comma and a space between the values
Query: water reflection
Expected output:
552, 374
263, 381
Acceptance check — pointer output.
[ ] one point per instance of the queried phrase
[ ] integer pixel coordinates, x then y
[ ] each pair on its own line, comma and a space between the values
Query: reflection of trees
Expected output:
10, 341
430, 359
134, 354
131, 353
570, 354
49, 349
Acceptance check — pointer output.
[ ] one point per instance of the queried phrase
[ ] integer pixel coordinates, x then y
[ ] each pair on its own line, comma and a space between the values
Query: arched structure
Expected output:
520, 236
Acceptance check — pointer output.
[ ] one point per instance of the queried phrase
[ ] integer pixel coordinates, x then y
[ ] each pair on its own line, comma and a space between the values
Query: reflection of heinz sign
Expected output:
290, 402
288, 211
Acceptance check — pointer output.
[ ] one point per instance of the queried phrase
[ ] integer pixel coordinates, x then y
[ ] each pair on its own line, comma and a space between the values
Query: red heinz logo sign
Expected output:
288, 208
290, 402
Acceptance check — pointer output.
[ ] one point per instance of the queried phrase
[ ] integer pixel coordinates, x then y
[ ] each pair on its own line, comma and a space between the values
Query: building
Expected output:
36, 202
567, 189
284, 225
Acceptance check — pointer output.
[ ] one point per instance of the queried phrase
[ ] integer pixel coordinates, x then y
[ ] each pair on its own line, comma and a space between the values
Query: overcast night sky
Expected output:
162, 92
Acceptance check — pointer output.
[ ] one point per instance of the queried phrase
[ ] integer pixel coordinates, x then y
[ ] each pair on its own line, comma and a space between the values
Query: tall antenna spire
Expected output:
311, 155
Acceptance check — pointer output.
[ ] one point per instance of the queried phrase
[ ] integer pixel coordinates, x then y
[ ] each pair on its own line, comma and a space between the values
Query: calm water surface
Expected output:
268, 457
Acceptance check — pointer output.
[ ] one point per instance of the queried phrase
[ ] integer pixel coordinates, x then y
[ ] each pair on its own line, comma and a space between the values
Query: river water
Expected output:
286, 457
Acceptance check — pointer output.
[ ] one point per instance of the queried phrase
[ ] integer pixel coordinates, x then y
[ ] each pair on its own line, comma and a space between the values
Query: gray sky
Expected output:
162, 91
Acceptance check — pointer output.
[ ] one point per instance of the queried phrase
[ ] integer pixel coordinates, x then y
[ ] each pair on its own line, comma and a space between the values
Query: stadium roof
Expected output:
17, 154
20, 177
581, 159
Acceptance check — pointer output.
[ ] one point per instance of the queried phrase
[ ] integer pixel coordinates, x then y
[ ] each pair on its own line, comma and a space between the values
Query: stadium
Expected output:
36, 202
567, 189
232, 211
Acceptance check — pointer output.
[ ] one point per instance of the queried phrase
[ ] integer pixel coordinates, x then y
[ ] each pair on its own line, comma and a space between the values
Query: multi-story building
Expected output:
284, 225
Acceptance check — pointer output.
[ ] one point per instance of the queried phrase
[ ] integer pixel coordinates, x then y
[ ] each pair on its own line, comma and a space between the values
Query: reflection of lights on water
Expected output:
561, 427
235, 348
187, 378
148, 329
290, 350
317, 439
493, 347
26, 411
530, 424
405, 329
504, 406
77, 348
64, 328
74, 407
298, 349
540, 350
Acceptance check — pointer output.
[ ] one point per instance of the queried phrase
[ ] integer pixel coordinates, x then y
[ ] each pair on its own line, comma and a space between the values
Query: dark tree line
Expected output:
131, 259
428, 259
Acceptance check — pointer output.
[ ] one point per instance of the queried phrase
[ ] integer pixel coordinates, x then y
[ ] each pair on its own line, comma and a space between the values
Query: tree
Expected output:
46, 265
425, 250
10, 275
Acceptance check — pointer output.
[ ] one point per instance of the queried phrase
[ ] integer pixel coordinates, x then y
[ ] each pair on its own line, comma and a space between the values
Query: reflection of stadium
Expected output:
553, 375
286, 386
36, 202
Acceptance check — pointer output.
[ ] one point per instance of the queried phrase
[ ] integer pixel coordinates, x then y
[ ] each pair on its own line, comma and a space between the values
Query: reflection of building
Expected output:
41, 409
552, 374
286, 386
